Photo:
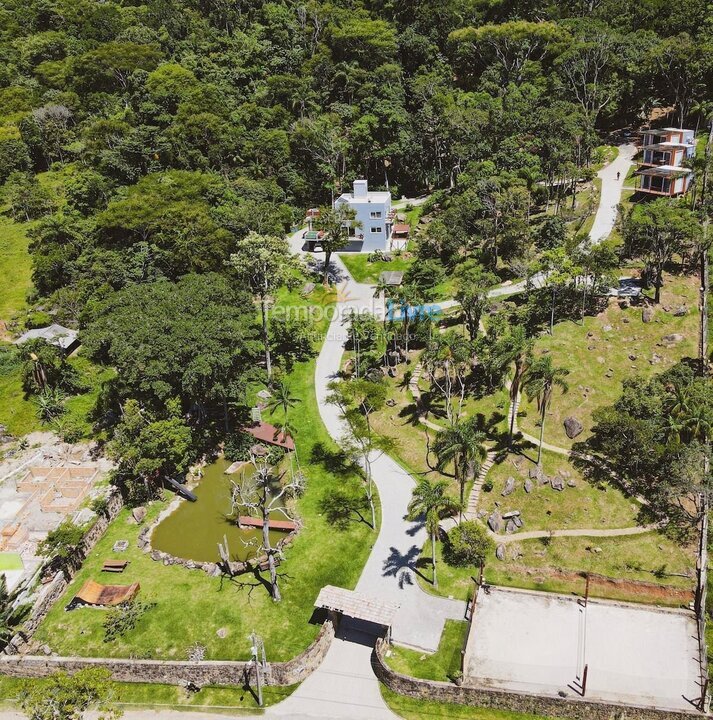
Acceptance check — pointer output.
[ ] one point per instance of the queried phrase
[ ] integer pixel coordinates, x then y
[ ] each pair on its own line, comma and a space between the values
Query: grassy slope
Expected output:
231, 700
417, 709
15, 267
191, 607
538, 565
584, 506
440, 665
569, 348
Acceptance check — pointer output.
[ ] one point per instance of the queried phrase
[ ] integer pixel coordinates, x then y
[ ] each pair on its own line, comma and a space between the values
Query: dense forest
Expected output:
145, 140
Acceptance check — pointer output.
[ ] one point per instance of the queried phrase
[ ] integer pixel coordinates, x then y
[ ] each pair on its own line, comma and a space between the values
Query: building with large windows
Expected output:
662, 169
374, 216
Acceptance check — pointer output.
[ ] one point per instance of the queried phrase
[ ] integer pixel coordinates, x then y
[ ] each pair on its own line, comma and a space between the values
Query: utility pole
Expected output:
258, 655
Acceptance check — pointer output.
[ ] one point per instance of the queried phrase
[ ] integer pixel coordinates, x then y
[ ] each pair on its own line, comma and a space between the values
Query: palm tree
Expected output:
283, 399
517, 351
539, 381
383, 288
463, 445
431, 501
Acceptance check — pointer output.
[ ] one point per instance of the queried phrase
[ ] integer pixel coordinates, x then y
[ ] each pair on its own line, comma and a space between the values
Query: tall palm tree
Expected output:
463, 444
283, 399
383, 288
431, 501
539, 381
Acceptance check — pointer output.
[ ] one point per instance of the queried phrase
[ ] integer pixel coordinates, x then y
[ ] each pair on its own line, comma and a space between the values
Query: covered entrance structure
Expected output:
352, 604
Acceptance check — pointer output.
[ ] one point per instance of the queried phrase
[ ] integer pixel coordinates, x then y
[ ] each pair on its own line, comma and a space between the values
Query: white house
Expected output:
373, 211
661, 167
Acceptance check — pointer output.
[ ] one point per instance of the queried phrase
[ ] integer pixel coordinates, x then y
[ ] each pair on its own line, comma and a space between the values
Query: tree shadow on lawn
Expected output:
335, 462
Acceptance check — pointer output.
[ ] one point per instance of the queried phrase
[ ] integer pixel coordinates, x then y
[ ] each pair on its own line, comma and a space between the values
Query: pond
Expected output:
194, 529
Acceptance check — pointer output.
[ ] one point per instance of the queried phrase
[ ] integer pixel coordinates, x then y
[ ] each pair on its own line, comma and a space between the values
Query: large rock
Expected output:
672, 339
680, 311
500, 552
494, 521
510, 527
557, 483
647, 314
518, 521
528, 486
537, 473
509, 487
139, 513
572, 427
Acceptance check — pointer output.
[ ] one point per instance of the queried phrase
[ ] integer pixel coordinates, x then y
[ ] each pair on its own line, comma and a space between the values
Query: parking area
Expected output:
540, 642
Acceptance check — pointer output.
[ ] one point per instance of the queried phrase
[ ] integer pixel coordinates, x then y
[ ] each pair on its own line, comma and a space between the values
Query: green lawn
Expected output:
364, 271
440, 665
584, 506
191, 607
589, 386
10, 561
15, 268
418, 709
228, 700
17, 413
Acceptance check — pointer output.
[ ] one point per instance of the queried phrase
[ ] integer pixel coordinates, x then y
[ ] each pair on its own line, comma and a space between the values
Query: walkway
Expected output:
608, 208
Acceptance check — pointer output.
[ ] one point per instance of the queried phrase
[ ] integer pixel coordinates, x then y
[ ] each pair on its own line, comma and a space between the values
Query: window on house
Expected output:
375, 214
375, 229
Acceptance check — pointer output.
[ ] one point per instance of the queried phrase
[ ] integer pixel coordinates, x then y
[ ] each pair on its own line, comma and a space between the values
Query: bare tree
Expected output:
260, 496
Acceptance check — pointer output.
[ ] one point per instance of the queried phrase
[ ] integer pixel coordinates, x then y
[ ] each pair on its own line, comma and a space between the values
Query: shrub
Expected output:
37, 319
468, 544
124, 618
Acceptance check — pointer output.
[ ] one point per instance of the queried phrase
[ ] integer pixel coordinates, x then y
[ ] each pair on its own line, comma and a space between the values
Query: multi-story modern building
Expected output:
661, 167
373, 214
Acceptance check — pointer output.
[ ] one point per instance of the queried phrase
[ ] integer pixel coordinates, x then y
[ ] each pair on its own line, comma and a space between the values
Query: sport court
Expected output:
540, 643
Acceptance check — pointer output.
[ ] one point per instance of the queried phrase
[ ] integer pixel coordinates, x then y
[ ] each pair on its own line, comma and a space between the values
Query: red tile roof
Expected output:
266, 433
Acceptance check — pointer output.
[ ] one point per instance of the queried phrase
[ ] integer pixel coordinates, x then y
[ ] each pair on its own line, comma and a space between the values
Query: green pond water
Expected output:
194, 529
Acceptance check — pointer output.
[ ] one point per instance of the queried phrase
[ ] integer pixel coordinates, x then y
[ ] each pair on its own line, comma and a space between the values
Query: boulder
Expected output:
571, 483
680, 311
528, 486
518, 521
672, 339
500, 552
139, 513
509, 487
647, 315
510, 515
557, 483
510, 527
494, 521
538, 474
572, 427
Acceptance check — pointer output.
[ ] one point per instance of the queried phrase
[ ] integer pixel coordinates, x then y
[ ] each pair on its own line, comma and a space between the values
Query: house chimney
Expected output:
361, 189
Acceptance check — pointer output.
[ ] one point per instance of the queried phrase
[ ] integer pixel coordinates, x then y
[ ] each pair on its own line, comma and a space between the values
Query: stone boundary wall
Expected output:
50, 593
172, 672
569, 708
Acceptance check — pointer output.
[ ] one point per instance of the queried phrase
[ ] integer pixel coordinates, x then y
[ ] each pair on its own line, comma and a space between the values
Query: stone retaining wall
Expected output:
51, 592
172, 672
569, 708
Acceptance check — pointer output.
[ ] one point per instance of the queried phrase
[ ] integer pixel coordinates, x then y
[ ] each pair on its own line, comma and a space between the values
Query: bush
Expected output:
37, 319
425, 274
124, 618
62, 542
468, 544
100, 505
237, 447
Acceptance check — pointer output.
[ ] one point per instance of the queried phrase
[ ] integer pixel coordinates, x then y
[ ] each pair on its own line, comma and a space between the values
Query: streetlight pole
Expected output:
257, 649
